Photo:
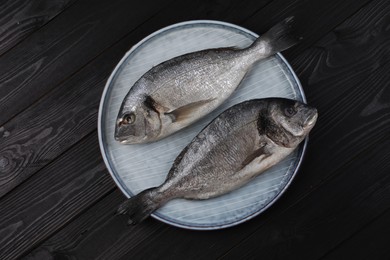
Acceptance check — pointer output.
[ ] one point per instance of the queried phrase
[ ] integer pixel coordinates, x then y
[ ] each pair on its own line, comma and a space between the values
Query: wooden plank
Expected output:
371, 242
60, 192
213, 244
77, 238
62, 47
52, 125
20, 18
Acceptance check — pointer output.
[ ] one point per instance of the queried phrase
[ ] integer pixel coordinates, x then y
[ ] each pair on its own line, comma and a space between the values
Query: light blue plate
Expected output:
138, 167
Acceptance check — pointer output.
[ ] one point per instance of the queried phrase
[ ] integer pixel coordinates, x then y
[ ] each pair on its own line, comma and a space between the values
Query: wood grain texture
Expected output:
55, 123
20, 18
78, 240
367, 243
49, 200
62, 47
197, 245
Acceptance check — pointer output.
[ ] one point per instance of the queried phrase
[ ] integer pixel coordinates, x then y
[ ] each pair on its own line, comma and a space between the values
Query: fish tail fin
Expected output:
279, 38
140, 206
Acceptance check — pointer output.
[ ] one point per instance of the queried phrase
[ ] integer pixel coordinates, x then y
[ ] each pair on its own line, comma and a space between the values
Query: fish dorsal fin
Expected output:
257, 153
185, 111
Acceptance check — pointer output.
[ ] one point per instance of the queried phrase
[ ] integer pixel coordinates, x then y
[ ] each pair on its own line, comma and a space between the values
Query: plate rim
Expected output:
119, 184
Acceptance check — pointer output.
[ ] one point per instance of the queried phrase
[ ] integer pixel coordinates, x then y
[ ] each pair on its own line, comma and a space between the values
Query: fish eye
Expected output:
289, 111
128, 118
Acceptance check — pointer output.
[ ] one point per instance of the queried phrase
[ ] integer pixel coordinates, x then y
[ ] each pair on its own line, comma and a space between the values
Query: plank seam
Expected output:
64, 225
49, 163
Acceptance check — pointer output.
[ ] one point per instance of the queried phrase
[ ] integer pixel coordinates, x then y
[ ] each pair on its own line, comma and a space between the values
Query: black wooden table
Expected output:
57, 198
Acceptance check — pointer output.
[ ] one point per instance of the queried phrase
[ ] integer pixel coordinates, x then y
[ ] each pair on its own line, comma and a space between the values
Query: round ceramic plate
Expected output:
138, 167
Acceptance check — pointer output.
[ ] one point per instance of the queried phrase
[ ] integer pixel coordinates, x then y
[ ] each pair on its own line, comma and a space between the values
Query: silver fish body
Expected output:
235, 147
181, 90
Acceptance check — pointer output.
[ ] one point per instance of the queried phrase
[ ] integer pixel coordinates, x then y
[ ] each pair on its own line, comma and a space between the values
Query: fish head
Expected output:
290, 121
136, 122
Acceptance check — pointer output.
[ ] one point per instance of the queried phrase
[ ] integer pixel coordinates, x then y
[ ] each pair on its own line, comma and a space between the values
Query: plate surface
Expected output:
138, 167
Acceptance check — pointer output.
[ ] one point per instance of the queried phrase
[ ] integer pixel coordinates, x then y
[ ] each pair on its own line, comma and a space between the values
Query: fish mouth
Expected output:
123, 140
311, 119
120, 139
129, 140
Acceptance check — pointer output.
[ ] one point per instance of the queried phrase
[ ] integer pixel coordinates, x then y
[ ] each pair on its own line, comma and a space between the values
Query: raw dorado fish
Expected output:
179, 91
242, 142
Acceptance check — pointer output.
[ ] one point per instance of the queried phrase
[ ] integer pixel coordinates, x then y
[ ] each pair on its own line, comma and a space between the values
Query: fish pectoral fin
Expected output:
185, 111
262, 151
